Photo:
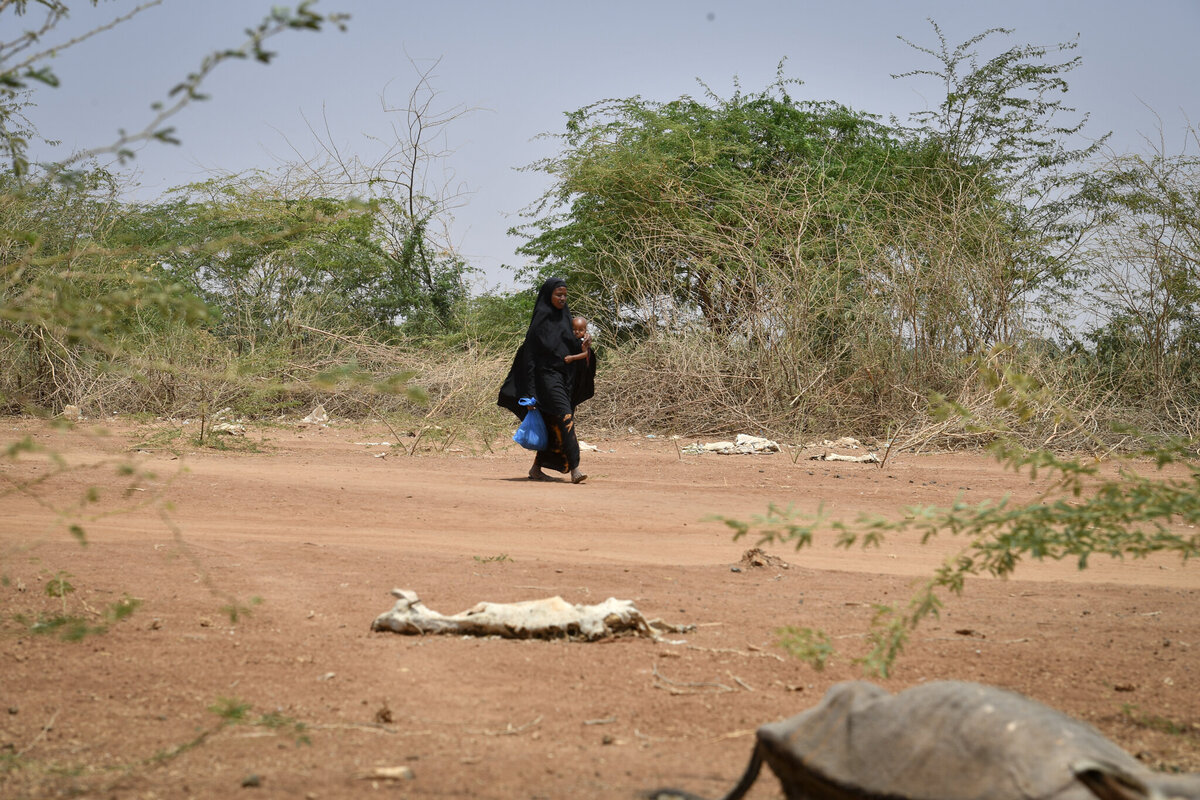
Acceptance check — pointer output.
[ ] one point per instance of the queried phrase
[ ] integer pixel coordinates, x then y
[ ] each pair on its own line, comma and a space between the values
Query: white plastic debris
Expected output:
318, 416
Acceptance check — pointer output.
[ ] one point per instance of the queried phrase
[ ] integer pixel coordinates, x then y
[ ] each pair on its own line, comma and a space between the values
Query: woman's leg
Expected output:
535, 472
554, 401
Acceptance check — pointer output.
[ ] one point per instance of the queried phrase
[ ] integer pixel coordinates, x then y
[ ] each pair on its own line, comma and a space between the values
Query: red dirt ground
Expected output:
309, 530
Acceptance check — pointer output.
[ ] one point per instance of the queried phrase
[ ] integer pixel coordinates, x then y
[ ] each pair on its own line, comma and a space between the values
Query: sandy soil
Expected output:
308, 529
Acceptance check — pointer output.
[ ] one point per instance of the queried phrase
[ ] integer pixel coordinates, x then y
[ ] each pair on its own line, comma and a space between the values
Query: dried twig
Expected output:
510, 730
739, 681
374, 727
720, 687
743, 653
46, 728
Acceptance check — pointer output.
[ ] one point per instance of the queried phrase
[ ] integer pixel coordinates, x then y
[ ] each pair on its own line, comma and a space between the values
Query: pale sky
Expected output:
523, 64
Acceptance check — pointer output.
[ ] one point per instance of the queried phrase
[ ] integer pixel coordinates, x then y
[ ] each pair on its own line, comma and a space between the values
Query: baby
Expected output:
580, 326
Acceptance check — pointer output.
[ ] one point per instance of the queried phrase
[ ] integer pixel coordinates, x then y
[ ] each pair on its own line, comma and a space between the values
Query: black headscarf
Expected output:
548, 341
550, 337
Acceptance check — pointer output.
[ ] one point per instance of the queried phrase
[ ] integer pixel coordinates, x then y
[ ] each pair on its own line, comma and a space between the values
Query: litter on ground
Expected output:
743, 445
318, 416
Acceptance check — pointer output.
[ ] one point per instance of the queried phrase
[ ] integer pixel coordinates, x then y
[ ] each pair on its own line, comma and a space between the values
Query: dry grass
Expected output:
689, 384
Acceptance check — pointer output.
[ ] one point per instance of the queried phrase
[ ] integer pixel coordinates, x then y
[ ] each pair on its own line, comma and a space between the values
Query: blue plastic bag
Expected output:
532, 433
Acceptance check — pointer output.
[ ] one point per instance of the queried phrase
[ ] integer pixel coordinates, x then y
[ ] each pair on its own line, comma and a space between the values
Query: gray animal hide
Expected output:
947, 741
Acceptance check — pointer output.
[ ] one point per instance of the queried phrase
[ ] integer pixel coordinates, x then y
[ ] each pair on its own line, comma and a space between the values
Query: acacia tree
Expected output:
270, 259
63, 293
410, 193
50, 264
646, 194
1012, 149
265, 262
1146, 280
652, 201
829, 254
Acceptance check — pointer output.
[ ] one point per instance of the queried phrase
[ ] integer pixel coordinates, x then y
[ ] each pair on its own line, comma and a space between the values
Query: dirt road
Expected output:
305, 530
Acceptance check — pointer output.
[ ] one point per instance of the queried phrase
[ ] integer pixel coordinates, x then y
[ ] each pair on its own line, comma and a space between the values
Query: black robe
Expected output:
539, 370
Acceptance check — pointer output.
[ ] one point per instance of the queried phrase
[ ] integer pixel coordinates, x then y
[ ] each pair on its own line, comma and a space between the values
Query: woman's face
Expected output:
558, 298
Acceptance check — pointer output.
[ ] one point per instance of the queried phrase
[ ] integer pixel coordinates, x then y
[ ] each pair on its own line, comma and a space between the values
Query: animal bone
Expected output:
745, 445
869, 458
550, 618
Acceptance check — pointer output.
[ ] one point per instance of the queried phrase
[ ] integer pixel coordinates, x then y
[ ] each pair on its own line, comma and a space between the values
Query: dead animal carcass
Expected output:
549, 618
946, 741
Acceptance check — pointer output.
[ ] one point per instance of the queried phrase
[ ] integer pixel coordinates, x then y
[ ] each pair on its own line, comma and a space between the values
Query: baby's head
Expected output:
579, 325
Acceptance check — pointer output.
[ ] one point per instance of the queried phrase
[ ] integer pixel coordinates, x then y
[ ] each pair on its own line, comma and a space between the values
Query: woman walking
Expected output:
556, 367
